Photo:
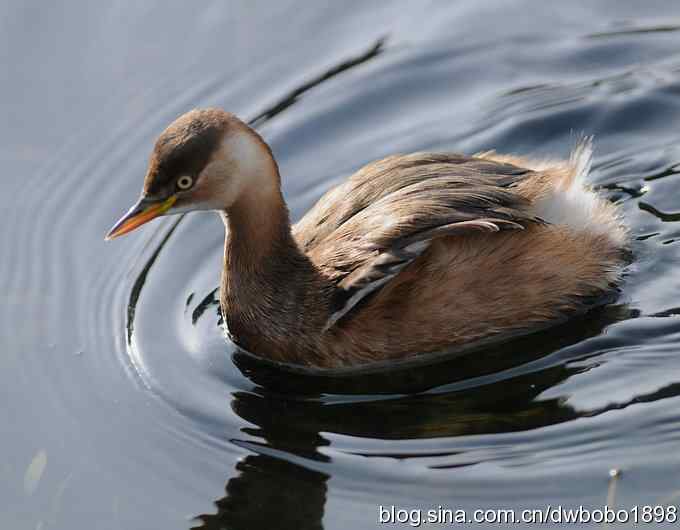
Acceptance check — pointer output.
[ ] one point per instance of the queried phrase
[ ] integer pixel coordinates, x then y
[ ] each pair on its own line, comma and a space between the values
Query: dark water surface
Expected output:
122, 406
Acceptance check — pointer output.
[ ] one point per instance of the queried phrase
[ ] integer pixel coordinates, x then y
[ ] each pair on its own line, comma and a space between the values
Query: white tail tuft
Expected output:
581, 159
574, 204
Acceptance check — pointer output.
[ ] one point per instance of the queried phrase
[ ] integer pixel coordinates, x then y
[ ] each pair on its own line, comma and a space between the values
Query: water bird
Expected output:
413, 253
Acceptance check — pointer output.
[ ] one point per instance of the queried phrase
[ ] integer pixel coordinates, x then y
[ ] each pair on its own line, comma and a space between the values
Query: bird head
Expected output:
207, 159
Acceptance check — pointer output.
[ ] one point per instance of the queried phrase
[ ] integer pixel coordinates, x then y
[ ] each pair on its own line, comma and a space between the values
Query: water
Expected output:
123, 406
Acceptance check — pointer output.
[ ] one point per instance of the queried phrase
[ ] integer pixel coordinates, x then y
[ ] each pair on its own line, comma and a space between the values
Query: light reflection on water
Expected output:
127, 407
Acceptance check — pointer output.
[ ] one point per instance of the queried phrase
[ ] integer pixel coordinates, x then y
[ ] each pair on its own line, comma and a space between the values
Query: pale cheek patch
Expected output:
217, 186
244, 151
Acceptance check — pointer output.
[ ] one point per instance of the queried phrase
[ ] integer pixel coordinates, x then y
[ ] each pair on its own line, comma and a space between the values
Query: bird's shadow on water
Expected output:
283, 481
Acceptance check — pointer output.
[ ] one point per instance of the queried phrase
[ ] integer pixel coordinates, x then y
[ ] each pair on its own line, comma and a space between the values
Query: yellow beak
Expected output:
139, 214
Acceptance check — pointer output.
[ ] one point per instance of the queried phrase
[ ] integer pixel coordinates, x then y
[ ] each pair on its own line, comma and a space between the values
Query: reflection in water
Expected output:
212, 299
289, 99
298, 449
633, 30
141, 278
273, 486
664, 216
268, 491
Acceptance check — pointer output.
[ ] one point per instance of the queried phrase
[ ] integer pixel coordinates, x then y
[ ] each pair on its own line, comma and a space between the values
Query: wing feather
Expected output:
366, 231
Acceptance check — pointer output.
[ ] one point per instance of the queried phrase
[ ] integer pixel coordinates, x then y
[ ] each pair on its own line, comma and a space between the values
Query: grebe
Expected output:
412, 254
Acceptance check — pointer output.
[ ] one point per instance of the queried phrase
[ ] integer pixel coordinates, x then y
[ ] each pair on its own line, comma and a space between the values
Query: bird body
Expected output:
412, 254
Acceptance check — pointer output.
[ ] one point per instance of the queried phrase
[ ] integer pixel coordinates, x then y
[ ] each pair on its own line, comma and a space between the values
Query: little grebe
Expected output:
413, 253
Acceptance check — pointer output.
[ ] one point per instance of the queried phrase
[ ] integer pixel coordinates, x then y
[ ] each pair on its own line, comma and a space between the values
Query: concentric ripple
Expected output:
540, 401
131, 408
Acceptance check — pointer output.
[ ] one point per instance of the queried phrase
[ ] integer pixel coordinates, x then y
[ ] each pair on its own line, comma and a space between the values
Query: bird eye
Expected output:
185, 182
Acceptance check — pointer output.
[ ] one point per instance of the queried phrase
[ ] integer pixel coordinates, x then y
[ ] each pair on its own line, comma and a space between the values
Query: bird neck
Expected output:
271, 293
258, 226
258, 223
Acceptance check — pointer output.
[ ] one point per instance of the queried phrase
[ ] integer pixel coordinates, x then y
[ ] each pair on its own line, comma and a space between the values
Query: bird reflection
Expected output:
283, 483
269, 491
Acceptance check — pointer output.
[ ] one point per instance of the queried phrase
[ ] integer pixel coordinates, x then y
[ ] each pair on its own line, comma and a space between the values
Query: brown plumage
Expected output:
412, 254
